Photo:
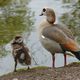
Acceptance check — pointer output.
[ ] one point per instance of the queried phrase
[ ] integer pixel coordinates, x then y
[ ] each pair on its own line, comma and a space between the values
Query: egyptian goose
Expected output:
56, 38
20, 52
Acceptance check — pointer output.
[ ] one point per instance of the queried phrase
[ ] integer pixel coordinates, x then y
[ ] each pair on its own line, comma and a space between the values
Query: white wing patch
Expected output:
42, 36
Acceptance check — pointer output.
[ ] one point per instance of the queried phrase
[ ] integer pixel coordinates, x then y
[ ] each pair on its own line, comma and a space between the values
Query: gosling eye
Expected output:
44, 9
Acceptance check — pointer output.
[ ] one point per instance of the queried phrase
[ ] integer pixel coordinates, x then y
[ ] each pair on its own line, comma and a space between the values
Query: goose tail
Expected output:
77, 54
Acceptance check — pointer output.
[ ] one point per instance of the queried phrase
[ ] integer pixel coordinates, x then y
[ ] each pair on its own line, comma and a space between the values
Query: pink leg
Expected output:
65, 61
53, 58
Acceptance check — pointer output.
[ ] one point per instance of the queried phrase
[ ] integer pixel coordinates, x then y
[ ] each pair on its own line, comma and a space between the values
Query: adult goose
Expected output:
56, 38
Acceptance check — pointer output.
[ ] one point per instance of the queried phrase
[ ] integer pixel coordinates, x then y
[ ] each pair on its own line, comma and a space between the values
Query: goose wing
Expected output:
60, 37
65, 30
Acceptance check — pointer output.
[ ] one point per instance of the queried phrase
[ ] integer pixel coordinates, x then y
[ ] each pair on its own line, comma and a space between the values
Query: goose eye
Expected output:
44, 9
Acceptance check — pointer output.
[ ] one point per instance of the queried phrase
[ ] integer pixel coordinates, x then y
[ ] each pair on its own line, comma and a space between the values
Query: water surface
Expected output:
40, 55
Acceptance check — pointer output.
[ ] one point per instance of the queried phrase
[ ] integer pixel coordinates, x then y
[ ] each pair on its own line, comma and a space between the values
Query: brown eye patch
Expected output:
44, 9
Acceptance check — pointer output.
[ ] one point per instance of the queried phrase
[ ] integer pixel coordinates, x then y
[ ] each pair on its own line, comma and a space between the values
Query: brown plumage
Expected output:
20, 52
56, 38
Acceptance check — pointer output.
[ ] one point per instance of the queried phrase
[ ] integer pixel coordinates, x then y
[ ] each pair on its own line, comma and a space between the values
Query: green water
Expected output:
16, 18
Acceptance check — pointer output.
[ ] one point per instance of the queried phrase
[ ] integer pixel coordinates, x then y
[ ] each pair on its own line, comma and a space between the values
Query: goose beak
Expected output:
41, 14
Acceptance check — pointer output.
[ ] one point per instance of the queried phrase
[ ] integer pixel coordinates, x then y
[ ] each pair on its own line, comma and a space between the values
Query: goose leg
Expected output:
65, 61
53, 58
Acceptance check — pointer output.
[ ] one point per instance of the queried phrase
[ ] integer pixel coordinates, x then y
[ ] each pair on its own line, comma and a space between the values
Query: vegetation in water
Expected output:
72, 18
15, 18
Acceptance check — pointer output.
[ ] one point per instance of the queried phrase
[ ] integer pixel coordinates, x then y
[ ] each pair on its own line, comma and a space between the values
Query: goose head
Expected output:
50, 15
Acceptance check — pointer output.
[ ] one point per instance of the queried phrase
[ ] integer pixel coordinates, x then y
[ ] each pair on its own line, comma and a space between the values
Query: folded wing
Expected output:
60, 37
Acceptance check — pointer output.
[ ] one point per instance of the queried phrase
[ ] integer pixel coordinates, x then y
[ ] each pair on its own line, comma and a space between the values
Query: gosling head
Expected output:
49, 13
18, 39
